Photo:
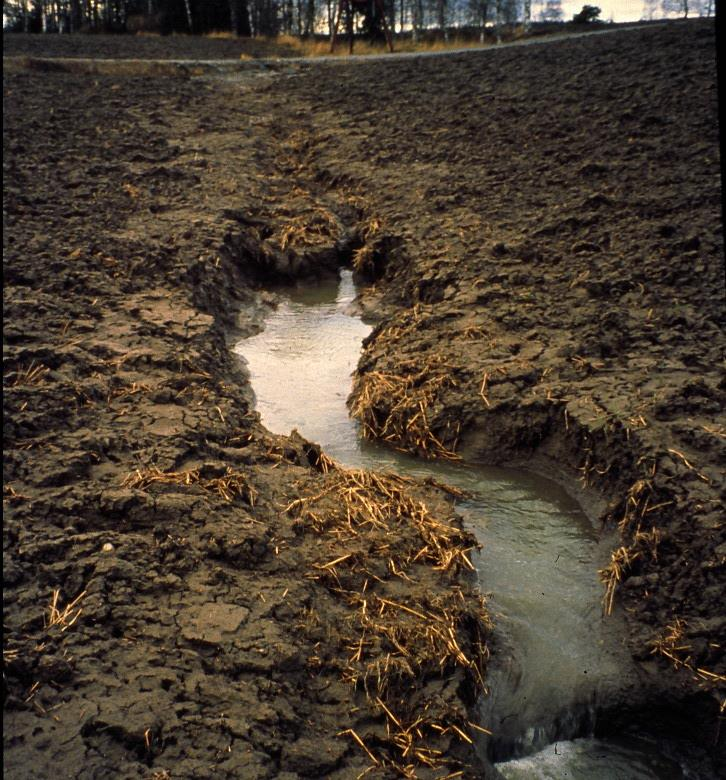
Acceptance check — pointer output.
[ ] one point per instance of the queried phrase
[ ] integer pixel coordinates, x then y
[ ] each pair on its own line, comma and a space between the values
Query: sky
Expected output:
620, 10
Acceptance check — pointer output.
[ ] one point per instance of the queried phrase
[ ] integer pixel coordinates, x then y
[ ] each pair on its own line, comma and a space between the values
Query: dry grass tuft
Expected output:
636, 505
365, 499
135, 388
640, 543
613, 574
673, 645
377, 533
30, 376
233, 483
364, 260
222, 35
11, 495
399, 408
310, 229
321, 48
66, 617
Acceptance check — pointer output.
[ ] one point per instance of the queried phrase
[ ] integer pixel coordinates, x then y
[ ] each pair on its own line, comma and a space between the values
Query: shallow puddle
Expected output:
554, 656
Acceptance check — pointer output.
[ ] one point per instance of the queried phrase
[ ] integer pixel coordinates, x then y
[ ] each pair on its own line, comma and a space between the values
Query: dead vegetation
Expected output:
10, 495
637, 529
400, 408
30, 376
365, 258
232, 483
621, 561
321, 48
673, 644
26, 650
391, 642
308, 229
66, 616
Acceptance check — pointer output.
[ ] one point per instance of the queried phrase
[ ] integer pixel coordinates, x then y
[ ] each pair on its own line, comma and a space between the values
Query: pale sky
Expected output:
620, 10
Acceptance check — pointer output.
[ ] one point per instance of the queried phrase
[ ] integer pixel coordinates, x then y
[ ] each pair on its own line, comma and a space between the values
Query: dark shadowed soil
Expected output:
147, 47
542, 229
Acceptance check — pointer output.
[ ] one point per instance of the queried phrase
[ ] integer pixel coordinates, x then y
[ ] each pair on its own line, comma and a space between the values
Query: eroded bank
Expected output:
559, 670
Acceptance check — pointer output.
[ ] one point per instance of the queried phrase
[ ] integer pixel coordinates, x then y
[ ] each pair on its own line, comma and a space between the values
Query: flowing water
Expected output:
554, 657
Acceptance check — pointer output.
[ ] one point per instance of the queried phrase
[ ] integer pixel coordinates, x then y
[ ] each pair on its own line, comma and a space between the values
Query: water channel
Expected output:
554, 658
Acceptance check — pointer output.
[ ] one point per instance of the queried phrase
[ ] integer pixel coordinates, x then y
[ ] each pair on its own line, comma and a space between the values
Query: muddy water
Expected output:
555, 659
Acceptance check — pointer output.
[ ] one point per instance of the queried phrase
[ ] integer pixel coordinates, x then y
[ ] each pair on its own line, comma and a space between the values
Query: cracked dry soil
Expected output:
541, 225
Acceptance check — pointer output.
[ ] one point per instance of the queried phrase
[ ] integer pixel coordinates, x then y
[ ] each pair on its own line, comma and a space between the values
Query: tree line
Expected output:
296, 17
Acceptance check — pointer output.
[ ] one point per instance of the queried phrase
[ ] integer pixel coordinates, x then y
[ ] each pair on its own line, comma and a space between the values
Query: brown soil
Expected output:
232, 621
543, 229
145, 47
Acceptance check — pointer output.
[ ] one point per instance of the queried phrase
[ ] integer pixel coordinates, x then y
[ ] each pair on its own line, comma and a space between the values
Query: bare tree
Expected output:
309, 27
551, 11
650, 9
679, 7
188, 9
416, 19
239, 18
478, 15
441, 18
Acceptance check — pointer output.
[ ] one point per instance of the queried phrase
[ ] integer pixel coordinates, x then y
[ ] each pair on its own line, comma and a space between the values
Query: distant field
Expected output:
224, 46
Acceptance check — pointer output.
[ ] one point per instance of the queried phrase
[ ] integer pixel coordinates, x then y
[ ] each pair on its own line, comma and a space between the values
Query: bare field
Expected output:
541, 231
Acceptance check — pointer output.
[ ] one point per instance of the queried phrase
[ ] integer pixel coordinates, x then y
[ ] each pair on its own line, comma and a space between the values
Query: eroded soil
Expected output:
216, 635
548, 263
543, 229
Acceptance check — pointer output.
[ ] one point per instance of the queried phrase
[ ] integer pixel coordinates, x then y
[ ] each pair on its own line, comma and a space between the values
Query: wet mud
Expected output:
542, 232
551, 293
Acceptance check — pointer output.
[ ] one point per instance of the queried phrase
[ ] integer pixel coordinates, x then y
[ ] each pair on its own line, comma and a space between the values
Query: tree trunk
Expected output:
310, 18
233, 20
416, 19
349, 26
245, 27
188, 9
527, 14
75, 15
483, 13
441, 14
